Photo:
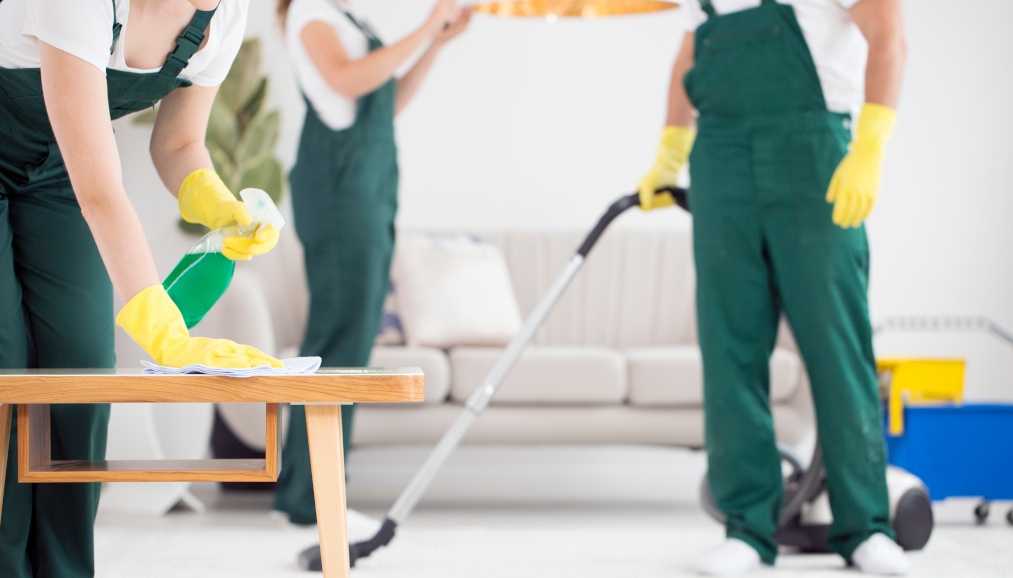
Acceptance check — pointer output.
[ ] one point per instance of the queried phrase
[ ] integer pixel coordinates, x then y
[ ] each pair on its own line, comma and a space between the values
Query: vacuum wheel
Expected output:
912, 520
981, 513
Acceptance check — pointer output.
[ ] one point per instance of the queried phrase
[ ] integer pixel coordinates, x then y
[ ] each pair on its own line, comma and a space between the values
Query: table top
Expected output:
327, 385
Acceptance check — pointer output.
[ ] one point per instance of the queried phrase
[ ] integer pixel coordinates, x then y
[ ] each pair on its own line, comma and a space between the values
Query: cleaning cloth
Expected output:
291, 366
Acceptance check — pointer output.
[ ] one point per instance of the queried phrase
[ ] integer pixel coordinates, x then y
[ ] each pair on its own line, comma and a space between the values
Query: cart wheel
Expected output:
981, 513
1009, 517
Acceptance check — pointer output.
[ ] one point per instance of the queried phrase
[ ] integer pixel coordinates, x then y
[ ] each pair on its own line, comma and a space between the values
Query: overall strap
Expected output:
768, 3
355, 21
187, 44
708, 7
117, 27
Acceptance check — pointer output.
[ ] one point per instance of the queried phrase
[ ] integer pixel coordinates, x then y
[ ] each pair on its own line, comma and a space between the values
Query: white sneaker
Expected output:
360, 526
732, 558
881, 556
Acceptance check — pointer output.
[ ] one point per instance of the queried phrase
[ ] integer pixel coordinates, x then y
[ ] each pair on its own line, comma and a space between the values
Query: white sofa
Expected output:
616, 361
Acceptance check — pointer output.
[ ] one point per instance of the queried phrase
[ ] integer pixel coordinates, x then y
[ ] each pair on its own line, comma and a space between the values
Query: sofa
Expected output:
616, 361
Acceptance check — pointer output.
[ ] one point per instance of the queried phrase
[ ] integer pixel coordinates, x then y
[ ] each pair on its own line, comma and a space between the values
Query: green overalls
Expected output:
56, 307
344, 198
764, 245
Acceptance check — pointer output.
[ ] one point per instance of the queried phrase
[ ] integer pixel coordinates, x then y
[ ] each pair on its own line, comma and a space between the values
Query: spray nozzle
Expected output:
262, 209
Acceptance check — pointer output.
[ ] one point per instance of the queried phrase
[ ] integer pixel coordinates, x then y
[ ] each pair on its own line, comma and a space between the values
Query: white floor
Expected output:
508, 512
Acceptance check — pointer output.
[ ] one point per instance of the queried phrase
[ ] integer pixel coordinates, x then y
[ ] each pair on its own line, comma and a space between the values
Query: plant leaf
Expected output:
260, 137
249, 110
194, 229
146, 116
264, 172
223, 163
223, 130
243, 78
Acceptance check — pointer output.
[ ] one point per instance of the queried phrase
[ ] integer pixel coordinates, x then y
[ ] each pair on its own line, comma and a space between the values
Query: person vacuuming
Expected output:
760, 108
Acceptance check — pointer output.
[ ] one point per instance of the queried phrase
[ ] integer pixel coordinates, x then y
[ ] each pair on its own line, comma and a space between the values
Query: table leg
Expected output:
5, 440
323, 426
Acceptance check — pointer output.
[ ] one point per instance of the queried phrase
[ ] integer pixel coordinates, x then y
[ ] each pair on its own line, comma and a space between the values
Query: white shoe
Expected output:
360, 526
880, 555
732, 558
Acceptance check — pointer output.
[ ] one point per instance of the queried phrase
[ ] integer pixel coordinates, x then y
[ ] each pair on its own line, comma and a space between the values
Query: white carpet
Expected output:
637, 538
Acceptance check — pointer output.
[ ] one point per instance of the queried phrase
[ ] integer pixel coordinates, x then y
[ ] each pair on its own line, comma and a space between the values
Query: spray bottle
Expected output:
204, 273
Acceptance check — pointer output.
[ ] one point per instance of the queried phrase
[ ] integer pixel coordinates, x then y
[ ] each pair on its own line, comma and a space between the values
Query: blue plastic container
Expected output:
958, 451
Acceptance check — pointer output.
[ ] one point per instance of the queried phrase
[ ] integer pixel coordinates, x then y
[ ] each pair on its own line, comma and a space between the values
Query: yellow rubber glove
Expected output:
855, 185
673, 153
155, 323
204, 199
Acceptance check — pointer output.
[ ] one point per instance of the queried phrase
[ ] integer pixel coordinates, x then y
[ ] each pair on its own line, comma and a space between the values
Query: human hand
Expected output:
204, 199
854, 187
442, 15
456, 26
673, 153
152, 319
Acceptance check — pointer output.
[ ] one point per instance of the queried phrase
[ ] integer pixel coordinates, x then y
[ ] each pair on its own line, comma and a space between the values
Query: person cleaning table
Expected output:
779, 198
69, 235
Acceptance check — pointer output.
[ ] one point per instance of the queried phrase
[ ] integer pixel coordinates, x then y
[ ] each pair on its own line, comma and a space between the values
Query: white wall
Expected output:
531, 124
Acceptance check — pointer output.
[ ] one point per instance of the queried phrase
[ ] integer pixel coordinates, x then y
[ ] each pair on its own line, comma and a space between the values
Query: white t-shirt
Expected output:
84, 28
837, 46
336, 111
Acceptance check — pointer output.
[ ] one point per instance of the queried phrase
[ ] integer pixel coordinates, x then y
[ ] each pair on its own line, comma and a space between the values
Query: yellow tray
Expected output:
919, 381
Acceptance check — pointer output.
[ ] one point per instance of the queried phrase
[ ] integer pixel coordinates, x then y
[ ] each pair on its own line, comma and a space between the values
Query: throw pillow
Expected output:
453, 290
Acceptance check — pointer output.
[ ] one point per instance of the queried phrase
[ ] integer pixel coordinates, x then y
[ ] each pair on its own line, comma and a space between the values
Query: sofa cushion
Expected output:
674, 376
545, 375
433, 362
453, 290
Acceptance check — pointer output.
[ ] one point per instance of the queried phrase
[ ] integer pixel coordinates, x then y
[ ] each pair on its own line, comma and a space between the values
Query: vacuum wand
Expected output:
482, 396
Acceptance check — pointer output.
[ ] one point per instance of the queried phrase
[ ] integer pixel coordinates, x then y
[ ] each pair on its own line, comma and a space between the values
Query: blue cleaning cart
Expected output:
959, 451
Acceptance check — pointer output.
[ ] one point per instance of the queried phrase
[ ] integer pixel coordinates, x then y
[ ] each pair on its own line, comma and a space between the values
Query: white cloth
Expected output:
837, 46
336, 111
84, 28
294, 366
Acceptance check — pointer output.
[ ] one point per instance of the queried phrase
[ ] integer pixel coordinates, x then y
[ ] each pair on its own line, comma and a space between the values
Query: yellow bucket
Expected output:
918, 381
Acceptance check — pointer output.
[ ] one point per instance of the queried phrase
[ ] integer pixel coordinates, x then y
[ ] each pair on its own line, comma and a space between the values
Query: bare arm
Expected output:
78, 107
355, 78
409, 84
177, 141
680, 109
882, 24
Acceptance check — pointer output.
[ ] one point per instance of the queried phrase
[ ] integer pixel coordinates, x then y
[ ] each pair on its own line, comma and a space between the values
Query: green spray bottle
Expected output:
203, 275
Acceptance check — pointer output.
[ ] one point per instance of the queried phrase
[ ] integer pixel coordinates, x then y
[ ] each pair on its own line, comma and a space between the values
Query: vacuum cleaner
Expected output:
800, 524
805, 513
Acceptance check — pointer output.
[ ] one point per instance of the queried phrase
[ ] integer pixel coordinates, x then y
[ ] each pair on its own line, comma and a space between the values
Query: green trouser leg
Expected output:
55, 312
344, 316
294, 495
348, 251
765, 243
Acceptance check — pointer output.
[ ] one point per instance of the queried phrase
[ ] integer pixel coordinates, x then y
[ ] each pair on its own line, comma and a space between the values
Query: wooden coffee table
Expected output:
323, 393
